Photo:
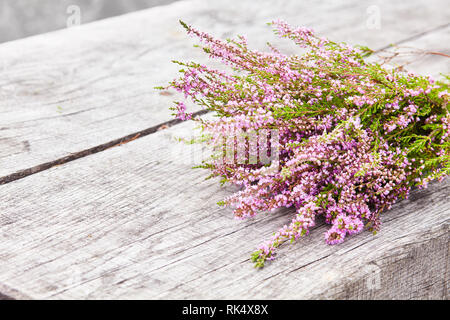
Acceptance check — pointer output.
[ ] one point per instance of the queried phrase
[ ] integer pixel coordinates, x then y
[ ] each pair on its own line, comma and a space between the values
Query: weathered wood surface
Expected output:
428, 54
124, 223
71, 90
135, 221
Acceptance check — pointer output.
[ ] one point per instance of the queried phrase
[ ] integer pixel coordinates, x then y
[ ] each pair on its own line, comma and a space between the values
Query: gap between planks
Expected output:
86, 152
145, 132
414, 37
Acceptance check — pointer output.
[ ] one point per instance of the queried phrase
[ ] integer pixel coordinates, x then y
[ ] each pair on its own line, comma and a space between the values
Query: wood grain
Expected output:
136, 222
75, 89
428, 54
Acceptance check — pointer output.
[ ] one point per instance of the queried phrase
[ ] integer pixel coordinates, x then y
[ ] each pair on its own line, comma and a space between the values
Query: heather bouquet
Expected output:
345, 138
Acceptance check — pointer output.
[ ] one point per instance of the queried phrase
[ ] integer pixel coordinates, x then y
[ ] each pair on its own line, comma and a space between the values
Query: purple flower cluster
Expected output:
351, 137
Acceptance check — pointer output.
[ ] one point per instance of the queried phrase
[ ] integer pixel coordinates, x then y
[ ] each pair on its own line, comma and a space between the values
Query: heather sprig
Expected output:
352, 137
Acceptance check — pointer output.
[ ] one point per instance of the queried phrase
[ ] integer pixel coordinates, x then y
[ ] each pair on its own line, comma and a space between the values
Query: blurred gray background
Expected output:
23, 18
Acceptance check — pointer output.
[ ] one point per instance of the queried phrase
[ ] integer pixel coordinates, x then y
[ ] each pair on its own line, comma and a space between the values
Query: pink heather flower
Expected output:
349, 145
390, 127
181, 112
442, 93
403, 121
411, 109
335, 236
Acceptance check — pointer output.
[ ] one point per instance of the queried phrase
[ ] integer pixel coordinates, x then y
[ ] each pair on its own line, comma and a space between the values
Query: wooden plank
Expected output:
126, 224
19, 19
75, 89
428, 54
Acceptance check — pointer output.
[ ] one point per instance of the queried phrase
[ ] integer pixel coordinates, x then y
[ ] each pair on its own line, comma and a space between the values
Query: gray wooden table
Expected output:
85, 215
